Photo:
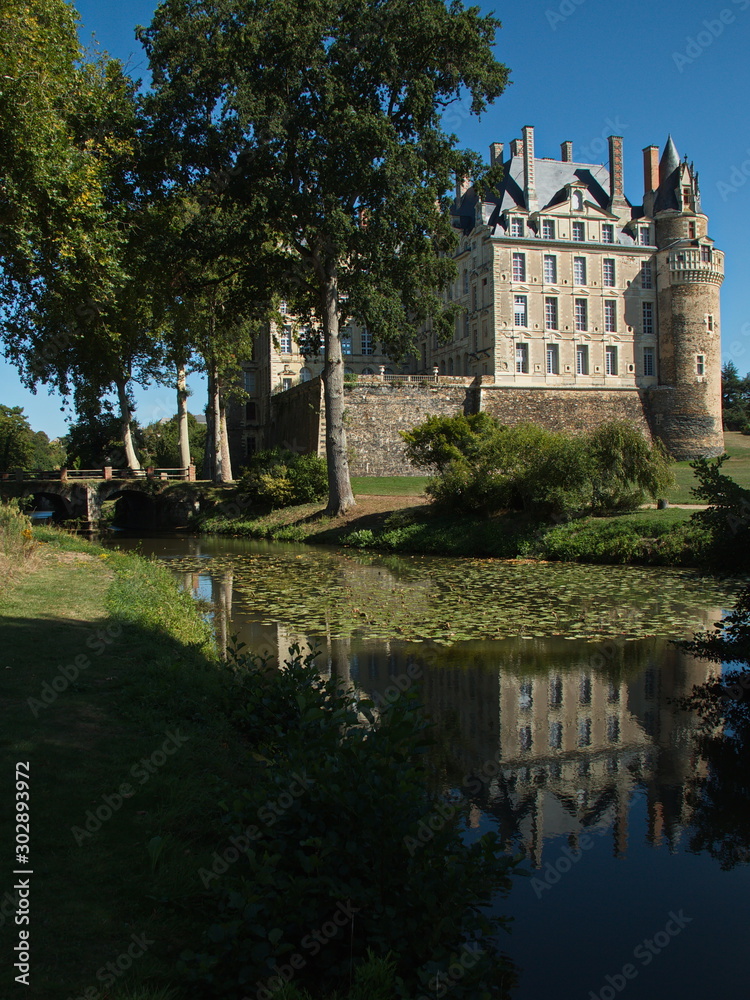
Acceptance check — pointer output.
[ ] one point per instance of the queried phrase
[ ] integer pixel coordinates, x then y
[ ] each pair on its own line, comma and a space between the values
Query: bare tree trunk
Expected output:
215, 404
127, 437
226, 458
208, 451
340, 495
182, 417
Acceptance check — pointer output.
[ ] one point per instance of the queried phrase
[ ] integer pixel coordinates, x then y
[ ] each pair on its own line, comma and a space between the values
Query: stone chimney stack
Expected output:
462, 186
650, 169
616, 186
567, 151
516, 148
496, 153
529, 181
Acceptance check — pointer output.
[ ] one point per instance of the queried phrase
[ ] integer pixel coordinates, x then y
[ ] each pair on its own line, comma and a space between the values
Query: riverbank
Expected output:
153, 768
411, 525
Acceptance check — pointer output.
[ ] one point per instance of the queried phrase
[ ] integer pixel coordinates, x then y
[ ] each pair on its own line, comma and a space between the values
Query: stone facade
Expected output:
575, 305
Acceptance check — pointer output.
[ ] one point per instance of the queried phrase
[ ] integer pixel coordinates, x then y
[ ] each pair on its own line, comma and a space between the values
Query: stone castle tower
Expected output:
686, 407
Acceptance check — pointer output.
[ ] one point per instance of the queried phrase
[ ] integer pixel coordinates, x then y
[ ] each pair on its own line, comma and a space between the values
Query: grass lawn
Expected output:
119, 631
738, 468
389, 486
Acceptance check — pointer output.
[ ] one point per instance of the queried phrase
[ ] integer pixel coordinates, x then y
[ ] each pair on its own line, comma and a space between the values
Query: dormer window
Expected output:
516, 226
608, 233
577, 201
706, 254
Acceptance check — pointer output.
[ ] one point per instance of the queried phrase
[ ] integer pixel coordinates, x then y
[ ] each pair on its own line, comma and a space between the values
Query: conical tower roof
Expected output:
670, 160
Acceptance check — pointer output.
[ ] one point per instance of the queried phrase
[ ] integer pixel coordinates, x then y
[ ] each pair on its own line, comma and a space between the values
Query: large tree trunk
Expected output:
215, 406
208, 449
340, 495
182, 417
127, 437
226, 458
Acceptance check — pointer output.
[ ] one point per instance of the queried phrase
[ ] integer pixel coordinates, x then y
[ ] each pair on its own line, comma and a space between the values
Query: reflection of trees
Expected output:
721, 799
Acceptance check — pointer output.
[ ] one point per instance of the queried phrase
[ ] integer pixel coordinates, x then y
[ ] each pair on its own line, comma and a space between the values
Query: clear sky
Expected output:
581, 70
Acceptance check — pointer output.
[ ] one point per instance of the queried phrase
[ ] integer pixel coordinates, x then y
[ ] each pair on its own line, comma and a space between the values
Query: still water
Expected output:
552, 691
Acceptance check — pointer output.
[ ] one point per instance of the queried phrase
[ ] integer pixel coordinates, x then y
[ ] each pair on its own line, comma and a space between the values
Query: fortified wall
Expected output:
375, 413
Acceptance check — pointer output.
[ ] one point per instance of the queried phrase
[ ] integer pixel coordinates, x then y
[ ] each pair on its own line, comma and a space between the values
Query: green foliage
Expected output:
484, 467
353, 829
624, 468
161, 442
727, 518
16, 445
284, 478
735, 398
96, 437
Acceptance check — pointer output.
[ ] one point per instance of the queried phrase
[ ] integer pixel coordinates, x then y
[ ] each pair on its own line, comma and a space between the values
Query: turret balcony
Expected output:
701, 264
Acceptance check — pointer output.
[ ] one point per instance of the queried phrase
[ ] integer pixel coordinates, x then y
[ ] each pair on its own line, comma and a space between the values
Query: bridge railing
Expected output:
106, 473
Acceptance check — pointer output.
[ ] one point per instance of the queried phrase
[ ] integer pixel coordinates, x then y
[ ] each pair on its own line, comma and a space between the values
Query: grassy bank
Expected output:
146, 757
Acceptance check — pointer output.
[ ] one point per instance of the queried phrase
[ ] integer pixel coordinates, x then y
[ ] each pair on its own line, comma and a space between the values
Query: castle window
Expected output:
691, 230
305, 375
610, 315
579, 270
577, 201
686, 197
555, 735
251, 411
519, 267
647, 275
608, 233
700, 364
584, 690
250, 446
524, 738
706, 254
613, 729
484, 292
648, 361
474, 297
610, 360
346, 343
522, 359
582, 359
286, 383
250, 382
466, 325
644, 236
520, 310
710, 323
550, 268
648, 317
550, 314
450, 366
553, 359
516, 226
466, 282
613, 693
584, 733
608, 272
366, 342
285, 341
555, 692
548, 229
582, 314
526, 696
579, 232
283, 308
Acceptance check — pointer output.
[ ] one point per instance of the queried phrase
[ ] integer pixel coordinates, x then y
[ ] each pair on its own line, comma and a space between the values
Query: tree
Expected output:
162, 441
327, 120
735, 398
16, 442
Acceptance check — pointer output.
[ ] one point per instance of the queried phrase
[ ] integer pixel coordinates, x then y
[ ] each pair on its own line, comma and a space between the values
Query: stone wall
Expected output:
572, 409
375, 414
296, 418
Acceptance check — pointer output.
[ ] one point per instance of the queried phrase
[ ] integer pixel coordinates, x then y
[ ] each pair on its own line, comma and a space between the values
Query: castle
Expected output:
577, 306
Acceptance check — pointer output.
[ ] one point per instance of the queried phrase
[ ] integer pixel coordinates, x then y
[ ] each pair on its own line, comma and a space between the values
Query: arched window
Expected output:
450, 366
305, 375
577, 201
442, 367
367, 371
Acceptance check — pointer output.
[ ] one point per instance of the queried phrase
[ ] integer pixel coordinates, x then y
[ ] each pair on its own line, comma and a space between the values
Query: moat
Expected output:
552, 688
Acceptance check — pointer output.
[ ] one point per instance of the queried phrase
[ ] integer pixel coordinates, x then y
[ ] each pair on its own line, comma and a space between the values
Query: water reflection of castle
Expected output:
556, 734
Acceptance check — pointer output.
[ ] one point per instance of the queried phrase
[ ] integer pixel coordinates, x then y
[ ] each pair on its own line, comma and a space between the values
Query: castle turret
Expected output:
686, 406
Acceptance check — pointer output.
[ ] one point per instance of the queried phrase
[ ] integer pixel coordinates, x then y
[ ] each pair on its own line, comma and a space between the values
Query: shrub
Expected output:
17, 548
727, 519
284, 478
354, 829
625, 468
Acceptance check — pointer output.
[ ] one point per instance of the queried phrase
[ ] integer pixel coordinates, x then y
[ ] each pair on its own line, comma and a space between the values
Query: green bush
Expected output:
341, 819
726, 519
284, 478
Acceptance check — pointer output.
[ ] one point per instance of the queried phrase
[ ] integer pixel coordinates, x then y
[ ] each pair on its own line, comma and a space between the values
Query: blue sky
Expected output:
581, 69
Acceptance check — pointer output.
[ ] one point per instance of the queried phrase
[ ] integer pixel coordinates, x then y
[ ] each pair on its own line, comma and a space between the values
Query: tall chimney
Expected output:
516, 147
529, 182
650, 168
496, 153
567, 151
616, 189
462, 186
